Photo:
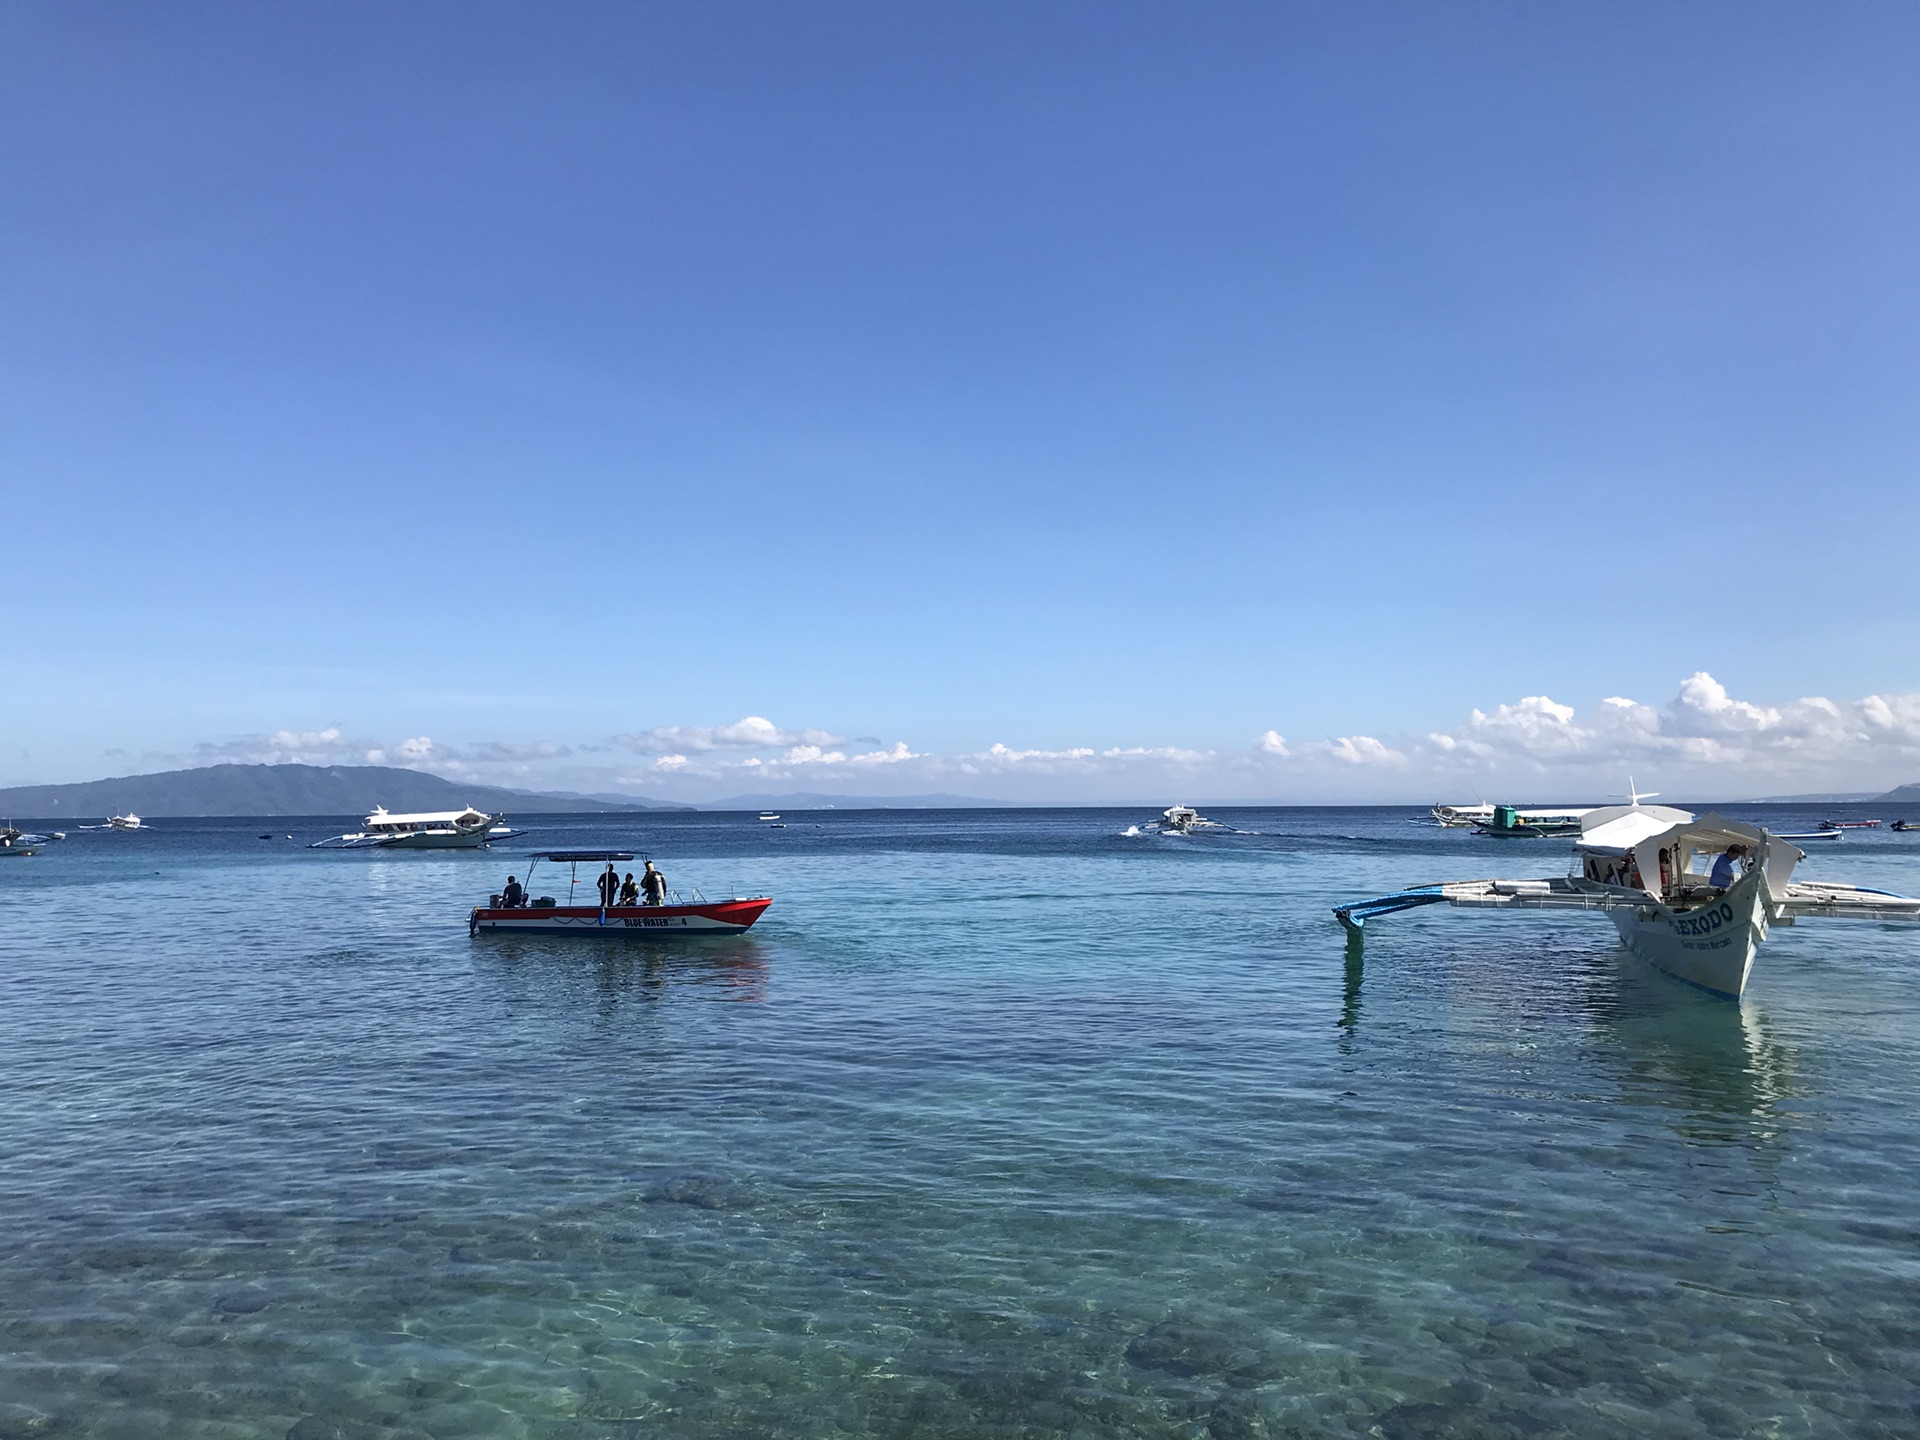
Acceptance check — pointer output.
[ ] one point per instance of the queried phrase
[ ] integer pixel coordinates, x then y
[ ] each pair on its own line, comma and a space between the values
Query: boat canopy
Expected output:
1616, 829
1667, 846
380, 817
579, 856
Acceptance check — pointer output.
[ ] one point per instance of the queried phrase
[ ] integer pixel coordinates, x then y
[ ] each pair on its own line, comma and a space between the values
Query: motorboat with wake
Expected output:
467, 829
1183, 820
680, 915
1650, 869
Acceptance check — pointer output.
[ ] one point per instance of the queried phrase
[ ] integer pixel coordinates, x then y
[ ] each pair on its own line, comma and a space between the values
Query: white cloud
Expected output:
330, 746
501, 752
812, 755
998, 756
1703, 734
898, 755
1363, 750
754, 732
1704, 740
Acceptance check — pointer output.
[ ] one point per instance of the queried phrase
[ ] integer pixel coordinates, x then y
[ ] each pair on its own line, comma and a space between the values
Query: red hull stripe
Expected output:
728, 912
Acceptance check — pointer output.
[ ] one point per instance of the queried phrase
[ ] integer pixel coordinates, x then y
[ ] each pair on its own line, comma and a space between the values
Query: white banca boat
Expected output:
1461, 817
681, 915
128, 821
1649, 868
467, 829
1511, 820
1184, 820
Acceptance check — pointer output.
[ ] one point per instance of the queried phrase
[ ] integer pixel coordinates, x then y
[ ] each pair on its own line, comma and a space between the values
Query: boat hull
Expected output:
1710, 945
727, 917
439, 840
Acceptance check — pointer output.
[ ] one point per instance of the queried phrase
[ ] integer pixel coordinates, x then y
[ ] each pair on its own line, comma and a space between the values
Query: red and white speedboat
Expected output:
548, 915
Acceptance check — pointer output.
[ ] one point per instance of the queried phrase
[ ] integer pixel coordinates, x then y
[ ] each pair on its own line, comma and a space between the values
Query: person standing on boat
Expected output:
1727, 868
513, 897
629, 892
609, 884
654, 884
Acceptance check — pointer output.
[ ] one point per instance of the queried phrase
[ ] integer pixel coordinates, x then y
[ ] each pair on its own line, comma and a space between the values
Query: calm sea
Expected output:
999, 1124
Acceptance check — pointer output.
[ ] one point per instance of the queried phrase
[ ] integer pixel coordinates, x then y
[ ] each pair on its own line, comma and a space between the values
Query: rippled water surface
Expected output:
999, 1124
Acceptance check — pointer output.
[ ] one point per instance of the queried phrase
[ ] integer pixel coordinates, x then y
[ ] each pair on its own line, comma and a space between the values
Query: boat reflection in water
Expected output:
1719, 1073
619, 970
1718, 1069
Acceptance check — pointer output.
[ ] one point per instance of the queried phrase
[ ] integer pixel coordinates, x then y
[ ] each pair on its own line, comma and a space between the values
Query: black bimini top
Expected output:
563, 856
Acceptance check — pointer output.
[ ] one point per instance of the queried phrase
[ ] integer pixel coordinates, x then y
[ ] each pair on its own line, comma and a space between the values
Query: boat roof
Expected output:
381, 816
566, 855
1621, 827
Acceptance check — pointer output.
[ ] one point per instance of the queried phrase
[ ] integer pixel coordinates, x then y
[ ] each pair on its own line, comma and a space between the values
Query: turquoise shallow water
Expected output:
1000, 1124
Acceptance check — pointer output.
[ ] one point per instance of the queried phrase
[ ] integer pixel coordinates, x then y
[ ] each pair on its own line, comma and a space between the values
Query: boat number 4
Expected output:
1706, 922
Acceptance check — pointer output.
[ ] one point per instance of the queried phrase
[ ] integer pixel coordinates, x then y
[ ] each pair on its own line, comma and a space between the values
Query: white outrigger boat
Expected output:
547, 916
1184, 820
1647, 868
467, 829
1461, 817
1504, 820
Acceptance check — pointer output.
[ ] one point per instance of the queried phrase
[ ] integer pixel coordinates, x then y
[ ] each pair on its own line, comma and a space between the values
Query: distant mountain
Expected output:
286, 790
1824, 797
856, 802
1904, 795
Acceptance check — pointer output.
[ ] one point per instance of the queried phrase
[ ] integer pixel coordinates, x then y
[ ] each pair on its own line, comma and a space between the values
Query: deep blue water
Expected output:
999, 1124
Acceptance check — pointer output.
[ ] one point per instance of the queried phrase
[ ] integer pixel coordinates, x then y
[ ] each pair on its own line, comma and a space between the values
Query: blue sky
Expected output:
1144, 379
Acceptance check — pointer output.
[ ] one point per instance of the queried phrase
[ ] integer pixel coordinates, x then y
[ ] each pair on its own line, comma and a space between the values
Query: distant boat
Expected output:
1184, 820
1904, 825
1849, 824
768, 815
128, 821
467, 829
15, 842
1510, 821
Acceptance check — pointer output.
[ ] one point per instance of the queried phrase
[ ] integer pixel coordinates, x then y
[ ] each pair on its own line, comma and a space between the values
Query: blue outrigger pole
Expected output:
1356, 913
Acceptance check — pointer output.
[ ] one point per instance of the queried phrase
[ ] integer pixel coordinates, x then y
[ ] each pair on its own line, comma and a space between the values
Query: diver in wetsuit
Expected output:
654, 885
609, 883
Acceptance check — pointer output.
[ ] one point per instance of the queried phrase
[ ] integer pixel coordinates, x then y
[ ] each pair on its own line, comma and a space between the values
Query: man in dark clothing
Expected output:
629, 891
654, 885
513, 897
609, 883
